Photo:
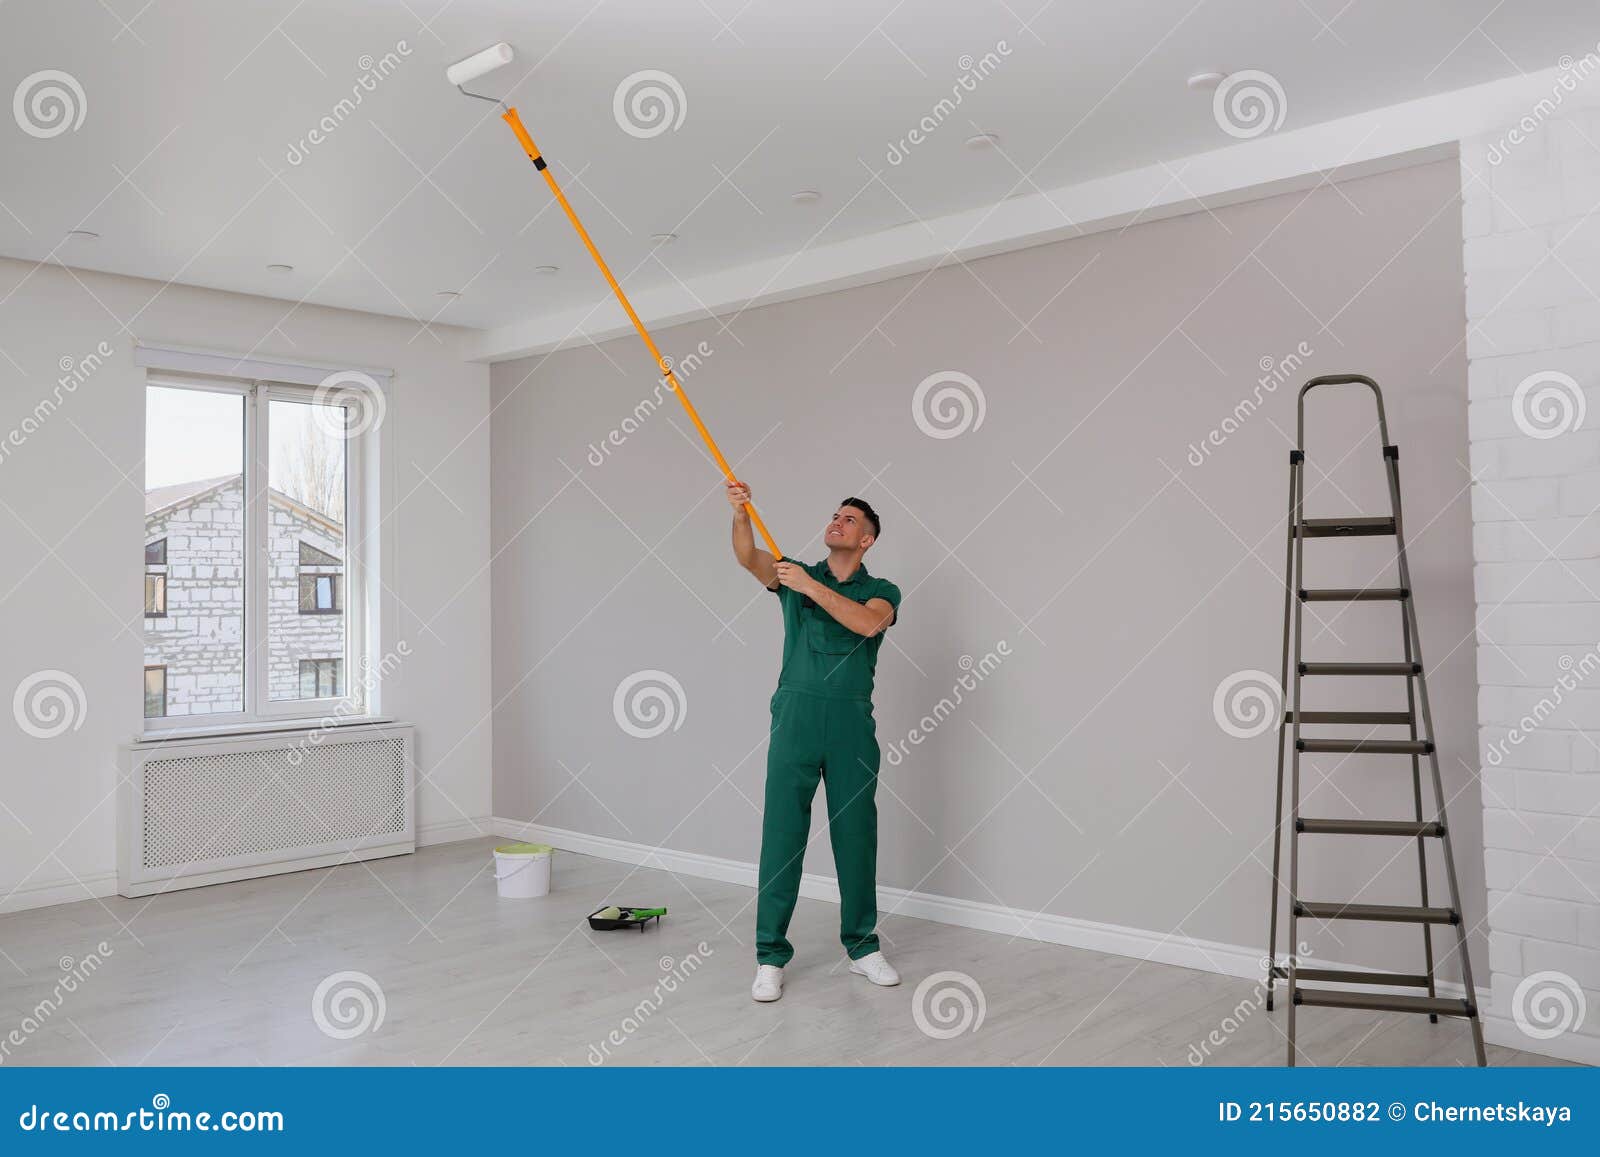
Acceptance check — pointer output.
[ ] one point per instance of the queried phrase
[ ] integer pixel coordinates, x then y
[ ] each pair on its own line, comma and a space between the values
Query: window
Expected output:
155, 692
319, 594
319, 678
155, 595
253, 591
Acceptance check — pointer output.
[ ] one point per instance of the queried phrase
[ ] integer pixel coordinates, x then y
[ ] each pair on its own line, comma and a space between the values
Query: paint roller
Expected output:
480, 64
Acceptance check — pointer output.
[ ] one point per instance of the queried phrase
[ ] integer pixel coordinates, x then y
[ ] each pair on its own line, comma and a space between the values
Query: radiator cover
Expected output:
196, 811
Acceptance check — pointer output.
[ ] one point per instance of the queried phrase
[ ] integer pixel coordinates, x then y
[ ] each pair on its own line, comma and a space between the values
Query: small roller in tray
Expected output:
611, 918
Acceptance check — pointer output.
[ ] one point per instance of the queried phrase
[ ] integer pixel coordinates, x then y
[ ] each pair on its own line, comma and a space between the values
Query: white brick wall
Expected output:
1531, 226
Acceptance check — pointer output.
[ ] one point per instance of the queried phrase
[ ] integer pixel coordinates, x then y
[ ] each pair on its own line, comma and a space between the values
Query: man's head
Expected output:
854, 526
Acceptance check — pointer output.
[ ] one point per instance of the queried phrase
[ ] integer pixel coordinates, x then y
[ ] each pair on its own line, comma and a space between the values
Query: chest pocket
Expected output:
824, 634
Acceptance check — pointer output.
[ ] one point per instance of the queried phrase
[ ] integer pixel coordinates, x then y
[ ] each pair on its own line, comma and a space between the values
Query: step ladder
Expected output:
1419, 745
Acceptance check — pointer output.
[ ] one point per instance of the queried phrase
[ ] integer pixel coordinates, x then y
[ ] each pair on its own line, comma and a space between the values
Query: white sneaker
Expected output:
769, 983
877, 969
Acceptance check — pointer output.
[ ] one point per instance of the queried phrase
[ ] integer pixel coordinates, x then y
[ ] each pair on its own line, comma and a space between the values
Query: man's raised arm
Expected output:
755, 560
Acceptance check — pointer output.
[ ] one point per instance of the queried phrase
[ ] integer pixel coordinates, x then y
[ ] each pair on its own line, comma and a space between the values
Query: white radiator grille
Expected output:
211, 807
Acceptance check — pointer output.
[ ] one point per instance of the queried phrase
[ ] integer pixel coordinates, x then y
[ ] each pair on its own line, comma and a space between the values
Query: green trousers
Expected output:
833, 741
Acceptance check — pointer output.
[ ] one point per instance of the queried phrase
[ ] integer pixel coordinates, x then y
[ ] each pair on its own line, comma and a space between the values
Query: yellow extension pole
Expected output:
511, 118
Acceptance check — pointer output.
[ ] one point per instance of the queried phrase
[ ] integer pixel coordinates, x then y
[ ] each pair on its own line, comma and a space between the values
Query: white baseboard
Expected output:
454, 831
67, 891
1571, 1046
1117, 939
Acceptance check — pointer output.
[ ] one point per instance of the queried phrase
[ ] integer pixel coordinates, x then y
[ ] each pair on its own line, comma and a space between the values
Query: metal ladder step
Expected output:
1352, 976
1355, 595
1385, 1002
1394, 913
1361, 527
1360, 668
1369, 746
1399, 717
1370, 827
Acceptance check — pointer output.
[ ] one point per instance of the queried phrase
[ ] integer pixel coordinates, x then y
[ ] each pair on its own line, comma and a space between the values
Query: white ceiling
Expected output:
181, 162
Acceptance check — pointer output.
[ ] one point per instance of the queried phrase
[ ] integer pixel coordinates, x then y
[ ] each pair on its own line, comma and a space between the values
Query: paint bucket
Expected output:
522, 871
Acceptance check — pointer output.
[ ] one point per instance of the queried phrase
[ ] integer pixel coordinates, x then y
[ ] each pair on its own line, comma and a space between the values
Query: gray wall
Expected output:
1087, 776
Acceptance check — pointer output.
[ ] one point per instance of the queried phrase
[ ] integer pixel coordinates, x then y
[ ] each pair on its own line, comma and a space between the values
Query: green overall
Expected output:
822, 729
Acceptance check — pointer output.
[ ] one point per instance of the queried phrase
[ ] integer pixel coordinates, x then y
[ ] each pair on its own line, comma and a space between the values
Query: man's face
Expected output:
849, 530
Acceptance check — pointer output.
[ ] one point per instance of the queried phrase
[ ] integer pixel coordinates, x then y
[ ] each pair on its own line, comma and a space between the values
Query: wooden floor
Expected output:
228, 975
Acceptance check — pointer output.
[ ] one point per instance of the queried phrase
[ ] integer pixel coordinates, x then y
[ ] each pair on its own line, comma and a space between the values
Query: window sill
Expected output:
268, 727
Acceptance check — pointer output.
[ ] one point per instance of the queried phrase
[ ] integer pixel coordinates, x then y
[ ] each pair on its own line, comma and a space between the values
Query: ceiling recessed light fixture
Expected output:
279, 267
663, 238
1205, 81
983, 141
547, 270
805, 197
83, 235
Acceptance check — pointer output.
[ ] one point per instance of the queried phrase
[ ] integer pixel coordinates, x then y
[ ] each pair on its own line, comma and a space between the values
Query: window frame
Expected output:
161, 587
259, 706
162, 667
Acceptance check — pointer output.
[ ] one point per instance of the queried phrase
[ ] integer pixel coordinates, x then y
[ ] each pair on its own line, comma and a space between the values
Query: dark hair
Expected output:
866, 508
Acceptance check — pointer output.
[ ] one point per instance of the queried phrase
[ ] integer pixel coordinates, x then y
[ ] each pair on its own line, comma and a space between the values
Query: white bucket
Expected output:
522, 871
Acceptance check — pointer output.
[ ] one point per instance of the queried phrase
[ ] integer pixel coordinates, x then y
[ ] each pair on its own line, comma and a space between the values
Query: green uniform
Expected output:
822, 729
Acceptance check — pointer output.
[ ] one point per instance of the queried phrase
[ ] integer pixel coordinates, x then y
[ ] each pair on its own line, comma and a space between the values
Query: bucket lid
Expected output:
524, 850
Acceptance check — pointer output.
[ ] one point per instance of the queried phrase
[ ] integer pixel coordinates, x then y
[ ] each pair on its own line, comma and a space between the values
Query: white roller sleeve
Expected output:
476, 65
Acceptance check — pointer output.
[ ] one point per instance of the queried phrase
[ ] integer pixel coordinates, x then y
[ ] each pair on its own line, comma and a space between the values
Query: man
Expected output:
834, 616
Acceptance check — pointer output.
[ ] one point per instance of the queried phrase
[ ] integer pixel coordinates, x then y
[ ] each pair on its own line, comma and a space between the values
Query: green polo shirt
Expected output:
821, 655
